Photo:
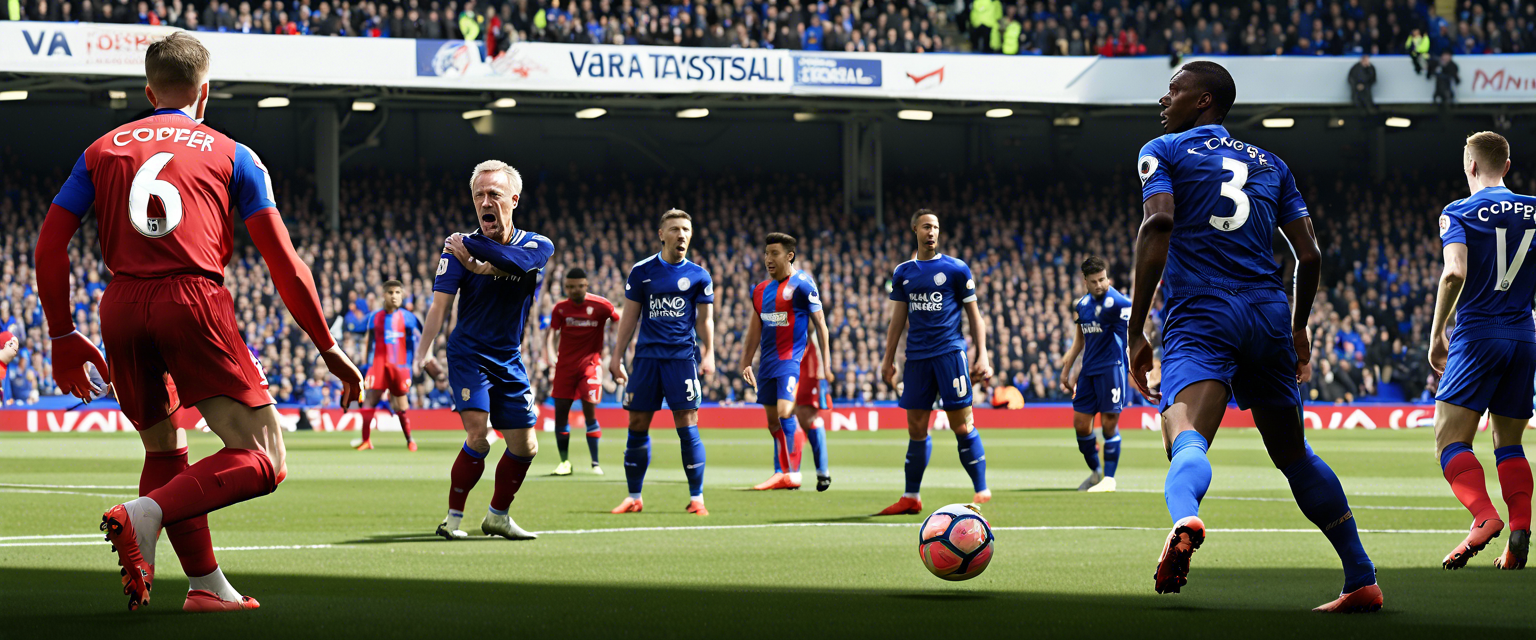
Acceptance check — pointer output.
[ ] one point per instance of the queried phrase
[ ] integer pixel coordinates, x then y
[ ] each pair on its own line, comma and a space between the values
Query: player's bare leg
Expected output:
1109, 428
369, 410
972, 456
401, 405
815, 436
1189, 426
563, 436
1455, 427
781, 425
511, 470
637, 459
594, 433
165, 455
252, 463
1087, 444
687, 425
1515, 480
919, 449
466, 472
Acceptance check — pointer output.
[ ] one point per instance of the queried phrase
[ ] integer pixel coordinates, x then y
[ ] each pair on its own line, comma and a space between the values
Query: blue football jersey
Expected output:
1104, 323
1497, 226
784, 307
493, 310
934, 291
1229, 197
668, 294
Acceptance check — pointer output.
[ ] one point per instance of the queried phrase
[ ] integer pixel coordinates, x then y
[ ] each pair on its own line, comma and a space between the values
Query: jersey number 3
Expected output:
147, 183
1233, 190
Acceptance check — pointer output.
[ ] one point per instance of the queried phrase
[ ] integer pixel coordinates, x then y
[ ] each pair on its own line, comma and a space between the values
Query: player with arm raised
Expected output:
1488, 362
163, 188
929, 293
1212, 204
496, 271
578, 325
671, 302
1099, 387
392, 336
788, 307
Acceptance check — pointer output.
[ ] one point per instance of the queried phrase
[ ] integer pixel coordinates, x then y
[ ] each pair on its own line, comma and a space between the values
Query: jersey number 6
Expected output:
1233, 190
147, 183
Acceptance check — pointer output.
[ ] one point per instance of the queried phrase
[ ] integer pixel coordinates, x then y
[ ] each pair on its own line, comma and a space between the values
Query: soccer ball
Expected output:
955, 542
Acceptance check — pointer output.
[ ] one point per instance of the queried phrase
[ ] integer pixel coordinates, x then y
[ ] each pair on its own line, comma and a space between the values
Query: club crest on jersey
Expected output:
789, 293
1108, 302
939, 279
682, 284
1146, 167
589, 311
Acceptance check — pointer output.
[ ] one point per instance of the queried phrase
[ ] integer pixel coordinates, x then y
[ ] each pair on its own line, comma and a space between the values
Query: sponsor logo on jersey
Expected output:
775, 318
581, 322
1092, 327
1445, 224
1146, 167
925, 301
668, 306
442, 266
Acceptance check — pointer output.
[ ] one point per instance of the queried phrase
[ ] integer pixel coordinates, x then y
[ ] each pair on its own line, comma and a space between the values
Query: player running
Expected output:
672, 302
392, 336
162, 188
1099, 387
1228, 329
577, 325
1490, 360
497, 270
788, 307
924, 292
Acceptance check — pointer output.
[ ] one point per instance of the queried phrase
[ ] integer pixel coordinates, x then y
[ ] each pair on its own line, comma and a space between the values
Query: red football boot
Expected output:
1515, 551
200, 601
1482, 533
1173, 565
137, 576
1366, 599
903, 507
629, 505
696, 507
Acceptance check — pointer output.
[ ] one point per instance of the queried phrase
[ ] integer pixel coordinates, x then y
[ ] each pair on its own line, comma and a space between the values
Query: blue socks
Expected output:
817, 439
918, 452
1322, 501
974, 458
594, 434
637, 458
1111, 455
693, 459
1089, 447
1189, 475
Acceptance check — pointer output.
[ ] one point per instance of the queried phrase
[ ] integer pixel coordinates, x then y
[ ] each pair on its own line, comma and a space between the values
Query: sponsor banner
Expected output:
1369, 417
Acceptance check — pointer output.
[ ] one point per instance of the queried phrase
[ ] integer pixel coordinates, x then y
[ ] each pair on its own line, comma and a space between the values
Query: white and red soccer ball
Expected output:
956, 542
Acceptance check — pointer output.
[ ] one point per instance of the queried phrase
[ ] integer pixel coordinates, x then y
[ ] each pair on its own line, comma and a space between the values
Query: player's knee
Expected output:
480, 443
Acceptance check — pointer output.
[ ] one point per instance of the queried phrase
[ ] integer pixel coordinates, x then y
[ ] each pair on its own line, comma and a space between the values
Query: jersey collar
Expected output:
936, 256
669, 264
177, 112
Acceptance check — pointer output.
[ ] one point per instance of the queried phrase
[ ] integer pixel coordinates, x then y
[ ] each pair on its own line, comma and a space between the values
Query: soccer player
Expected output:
162, 189
929, 292
1489, 361
577, 325
1100, 386
788, 307
1212, 204
671, 301
392, 336
496, 270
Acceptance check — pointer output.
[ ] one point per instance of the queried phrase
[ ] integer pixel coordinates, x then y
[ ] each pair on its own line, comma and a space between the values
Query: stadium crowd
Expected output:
1021, 237
1046, 27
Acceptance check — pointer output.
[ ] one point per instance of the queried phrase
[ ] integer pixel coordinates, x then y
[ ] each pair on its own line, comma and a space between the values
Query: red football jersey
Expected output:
163, 188
581, 328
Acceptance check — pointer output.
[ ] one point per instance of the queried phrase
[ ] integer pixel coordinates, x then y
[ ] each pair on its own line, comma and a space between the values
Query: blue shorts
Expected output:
653, 380
944, 377
501, 390
772, 390
1242, 344
1103, 392
1492, 374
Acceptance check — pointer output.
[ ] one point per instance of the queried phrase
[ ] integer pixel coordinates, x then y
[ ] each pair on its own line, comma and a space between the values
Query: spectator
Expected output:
1446, 76
1362, 77
985, 15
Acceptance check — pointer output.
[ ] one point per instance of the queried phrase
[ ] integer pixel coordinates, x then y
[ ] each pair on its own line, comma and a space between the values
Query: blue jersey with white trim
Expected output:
1498, 226
934, 291
1104, 322
493, 310
668, 295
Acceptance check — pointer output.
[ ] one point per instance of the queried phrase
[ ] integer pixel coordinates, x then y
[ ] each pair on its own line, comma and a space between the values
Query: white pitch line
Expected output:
66, 493
70, 486
99, 542
53, 537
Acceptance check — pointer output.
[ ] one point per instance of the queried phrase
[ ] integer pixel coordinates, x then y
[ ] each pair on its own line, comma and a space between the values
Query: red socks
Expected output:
1515, 479
466, 472
190, 538
786, 458
510, 473
1465, 474
368, 416
405, 424
215, 482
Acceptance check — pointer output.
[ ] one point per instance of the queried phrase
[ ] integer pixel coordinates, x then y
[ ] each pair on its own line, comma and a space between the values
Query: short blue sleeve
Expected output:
79, 193
526, 254
634, 289
1451, 228
449, 274
1152, 167
965, 283
1292, 207
898, 289
706, 287
250, 186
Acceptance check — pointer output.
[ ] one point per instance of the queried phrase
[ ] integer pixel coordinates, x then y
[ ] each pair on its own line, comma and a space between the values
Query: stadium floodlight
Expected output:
221, 95
999, 113
504, 103
1399, 123
274, 102
804, 116
693, 113
914, 114
12, 95
363, 105
1335, 123
1067, 121
117, 95
591, 113
476, 113
1279, 123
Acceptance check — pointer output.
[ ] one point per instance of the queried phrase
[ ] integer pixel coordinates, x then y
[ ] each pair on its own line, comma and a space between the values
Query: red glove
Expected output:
70, 354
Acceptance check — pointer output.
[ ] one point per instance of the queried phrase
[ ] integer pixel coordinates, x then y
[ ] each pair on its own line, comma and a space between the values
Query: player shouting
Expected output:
1099, 387
1489, 361
672, 302
392, 336
1212, 204
788, 306
496, 269
929, 293
577, 325
162, 189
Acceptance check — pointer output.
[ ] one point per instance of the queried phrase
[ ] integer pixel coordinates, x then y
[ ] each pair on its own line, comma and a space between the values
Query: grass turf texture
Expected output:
838, 574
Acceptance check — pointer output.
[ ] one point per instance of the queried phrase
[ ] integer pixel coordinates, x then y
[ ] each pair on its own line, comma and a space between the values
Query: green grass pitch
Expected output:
344, 547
